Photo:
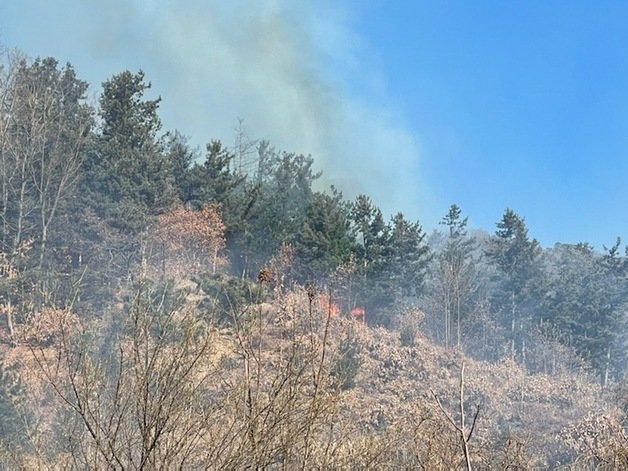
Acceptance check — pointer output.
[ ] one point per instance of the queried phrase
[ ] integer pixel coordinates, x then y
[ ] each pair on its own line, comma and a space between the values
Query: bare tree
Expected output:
464, 433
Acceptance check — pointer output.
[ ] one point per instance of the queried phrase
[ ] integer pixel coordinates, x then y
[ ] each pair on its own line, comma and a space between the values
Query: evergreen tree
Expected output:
287, 181
409, 257
515, 255
128, 177
214, 181
391, 258
127, 181
372, 236
372, 255
325, 240
587, 303
181, 159
272, 208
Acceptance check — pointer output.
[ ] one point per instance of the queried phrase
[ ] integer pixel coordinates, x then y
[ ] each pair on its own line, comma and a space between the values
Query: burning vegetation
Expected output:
163, 310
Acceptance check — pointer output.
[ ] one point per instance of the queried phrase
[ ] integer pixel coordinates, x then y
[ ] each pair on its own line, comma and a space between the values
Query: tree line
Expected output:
84, 187
110, 223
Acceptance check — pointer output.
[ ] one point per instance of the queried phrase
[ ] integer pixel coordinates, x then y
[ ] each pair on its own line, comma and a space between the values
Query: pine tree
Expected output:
409, 257
372, 256
587, 303
181, 158
214, 181
515, 255
271, 209
325, 240
371, 233
392, 258
128, 177
455, 275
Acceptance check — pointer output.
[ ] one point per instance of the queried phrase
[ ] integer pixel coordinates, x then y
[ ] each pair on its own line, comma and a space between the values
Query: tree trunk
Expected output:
9, 311
17, 241
458, 340
607, 366
513, 325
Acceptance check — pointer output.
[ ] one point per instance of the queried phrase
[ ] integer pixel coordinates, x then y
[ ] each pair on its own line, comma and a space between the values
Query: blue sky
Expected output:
418, 104
519, 104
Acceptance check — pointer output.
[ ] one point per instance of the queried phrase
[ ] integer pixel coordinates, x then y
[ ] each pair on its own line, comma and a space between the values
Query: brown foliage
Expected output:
186, 241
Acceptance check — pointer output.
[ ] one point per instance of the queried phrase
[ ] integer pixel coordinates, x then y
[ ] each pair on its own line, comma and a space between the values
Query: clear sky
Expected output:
486, 104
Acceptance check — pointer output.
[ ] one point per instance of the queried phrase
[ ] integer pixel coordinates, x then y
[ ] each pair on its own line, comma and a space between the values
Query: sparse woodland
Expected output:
163, 308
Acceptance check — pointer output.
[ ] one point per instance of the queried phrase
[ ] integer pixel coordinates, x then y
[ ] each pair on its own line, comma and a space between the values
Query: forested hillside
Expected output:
165, 307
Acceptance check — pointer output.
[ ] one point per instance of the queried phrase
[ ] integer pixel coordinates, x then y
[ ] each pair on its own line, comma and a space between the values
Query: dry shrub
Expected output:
185, 242
602, 439
263, 393
45, 326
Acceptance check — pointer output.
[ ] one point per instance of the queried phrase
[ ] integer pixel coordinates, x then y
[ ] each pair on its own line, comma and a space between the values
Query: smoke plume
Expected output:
296, 73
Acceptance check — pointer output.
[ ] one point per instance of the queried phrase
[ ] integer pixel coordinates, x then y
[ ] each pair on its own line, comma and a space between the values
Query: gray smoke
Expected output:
295, 72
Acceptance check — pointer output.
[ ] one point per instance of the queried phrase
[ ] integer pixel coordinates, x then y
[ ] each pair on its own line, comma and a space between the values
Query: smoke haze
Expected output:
294, 72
